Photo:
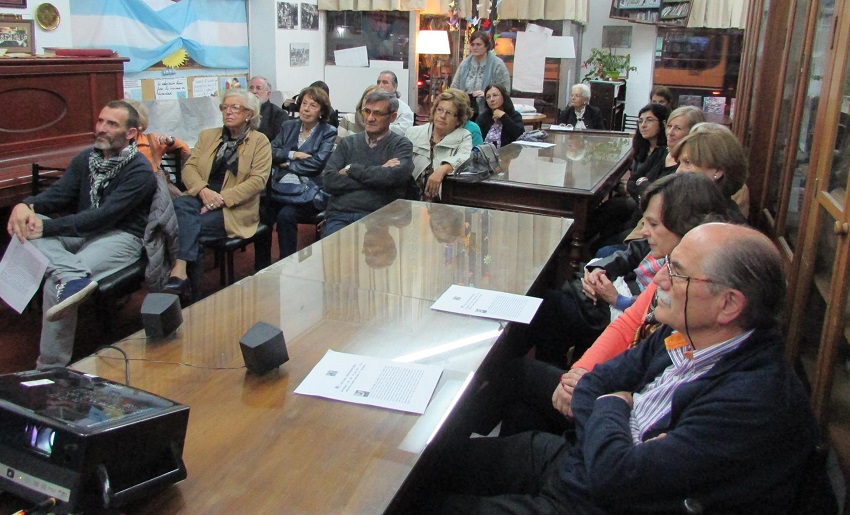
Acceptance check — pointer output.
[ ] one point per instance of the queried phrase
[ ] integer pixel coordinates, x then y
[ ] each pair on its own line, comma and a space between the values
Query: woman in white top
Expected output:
441, 145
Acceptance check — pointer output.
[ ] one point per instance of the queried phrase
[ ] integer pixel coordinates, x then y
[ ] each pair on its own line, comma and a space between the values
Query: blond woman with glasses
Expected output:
228, 169
441, 145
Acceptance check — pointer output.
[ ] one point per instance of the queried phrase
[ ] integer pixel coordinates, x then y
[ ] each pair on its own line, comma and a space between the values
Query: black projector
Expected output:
88, 442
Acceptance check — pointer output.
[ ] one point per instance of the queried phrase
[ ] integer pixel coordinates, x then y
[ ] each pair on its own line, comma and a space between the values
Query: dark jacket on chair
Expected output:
592, 118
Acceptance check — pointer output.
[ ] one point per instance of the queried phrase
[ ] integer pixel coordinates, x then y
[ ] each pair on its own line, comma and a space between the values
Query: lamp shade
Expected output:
432, 42
561, 47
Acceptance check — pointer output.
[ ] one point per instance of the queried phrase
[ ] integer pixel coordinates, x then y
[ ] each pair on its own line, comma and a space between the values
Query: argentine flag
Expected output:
213, 32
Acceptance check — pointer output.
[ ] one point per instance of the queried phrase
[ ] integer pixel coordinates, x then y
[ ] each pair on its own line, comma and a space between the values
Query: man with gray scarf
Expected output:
107, 192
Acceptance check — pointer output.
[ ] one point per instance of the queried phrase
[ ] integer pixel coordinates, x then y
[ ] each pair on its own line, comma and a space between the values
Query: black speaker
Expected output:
161, 314
263, 348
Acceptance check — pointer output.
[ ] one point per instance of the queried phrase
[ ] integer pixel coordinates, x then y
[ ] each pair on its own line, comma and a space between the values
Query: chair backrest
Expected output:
51, 174
630, 123
172, 165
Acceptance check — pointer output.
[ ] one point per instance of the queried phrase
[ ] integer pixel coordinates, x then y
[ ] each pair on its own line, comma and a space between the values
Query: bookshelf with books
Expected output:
656, 12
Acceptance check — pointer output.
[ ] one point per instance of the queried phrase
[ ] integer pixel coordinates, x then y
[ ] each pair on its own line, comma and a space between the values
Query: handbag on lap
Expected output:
291, 188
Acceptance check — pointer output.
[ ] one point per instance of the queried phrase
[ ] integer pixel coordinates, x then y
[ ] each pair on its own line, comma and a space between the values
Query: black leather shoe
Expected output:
176, 285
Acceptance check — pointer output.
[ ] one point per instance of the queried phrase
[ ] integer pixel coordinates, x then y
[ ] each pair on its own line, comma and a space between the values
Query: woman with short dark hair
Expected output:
303, 147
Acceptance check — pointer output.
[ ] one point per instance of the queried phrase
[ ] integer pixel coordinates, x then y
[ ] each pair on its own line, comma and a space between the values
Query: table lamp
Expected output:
435, 43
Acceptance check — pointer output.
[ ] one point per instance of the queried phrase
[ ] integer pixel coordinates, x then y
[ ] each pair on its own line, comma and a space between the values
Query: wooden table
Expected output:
253, 446
534, 120
568, 180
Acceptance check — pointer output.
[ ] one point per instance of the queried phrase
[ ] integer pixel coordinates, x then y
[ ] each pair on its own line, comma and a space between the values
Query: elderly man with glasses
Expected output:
271, 115
369, 170
705, 408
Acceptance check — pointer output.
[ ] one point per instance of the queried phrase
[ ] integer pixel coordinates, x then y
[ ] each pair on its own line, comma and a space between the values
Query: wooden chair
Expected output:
43, 180
224, 249
630, 123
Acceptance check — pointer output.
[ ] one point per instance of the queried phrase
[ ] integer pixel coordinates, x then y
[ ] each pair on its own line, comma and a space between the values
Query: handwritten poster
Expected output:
204, 87
172, 87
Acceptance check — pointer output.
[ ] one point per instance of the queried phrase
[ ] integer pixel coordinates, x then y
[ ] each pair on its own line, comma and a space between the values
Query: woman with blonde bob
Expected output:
442, 144
712, 150
224, 177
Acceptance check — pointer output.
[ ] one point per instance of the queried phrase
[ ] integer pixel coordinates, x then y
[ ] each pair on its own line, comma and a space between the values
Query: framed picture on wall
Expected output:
309, 17
299, 54
13, 3
17, 36
287, 15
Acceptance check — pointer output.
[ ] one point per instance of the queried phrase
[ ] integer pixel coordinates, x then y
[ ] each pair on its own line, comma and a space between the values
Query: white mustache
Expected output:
663, 298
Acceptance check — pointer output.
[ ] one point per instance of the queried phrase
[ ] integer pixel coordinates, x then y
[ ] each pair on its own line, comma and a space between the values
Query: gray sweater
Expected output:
368, 185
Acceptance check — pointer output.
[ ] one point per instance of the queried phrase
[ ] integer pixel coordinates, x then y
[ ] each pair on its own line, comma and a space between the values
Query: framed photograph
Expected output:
287, 15
17, 36
13, 3
309, 17
616, 36
299, 54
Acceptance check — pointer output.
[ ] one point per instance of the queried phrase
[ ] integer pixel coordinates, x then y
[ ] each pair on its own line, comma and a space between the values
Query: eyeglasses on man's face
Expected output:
234, 108
366, 112
686, 278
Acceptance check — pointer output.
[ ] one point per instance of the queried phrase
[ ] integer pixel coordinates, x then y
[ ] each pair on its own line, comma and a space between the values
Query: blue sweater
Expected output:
737, 437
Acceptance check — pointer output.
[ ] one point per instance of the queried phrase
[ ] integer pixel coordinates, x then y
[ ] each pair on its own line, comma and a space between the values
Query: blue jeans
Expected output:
287, 220
336, 221
195, 227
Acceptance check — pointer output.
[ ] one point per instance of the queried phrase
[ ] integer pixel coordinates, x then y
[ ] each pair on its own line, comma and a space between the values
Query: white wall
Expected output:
58, 37
639, 84
269, 49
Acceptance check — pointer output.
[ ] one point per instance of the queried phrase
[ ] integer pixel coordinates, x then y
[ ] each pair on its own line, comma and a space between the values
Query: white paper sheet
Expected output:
488, 304
357, 57
562, 128
538, 29
21, 270
372, 381
530, 61
540, 144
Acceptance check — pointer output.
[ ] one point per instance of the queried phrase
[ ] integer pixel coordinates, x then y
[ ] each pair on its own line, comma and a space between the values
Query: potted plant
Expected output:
605, 65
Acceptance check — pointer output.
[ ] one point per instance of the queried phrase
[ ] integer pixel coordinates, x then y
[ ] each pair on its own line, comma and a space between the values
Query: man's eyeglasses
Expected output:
685, 277
236, 108
366, 112
440, 112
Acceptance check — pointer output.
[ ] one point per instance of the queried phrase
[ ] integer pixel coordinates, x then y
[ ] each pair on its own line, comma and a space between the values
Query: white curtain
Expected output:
719, 14
373, 5
575, 10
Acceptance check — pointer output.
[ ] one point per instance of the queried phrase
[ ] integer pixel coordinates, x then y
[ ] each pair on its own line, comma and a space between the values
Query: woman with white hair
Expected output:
228, 169
580, 114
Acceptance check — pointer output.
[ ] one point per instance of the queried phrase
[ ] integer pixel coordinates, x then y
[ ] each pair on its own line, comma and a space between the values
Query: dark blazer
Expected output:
272, 117
592, 118
319, 145
512, 126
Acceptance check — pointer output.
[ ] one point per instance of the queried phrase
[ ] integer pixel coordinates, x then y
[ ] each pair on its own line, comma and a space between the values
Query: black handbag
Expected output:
291, 188
483, 161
